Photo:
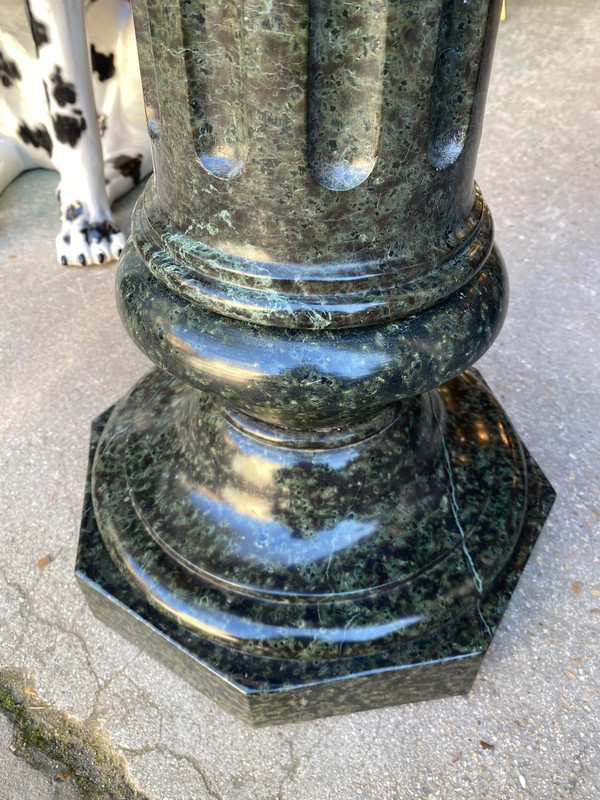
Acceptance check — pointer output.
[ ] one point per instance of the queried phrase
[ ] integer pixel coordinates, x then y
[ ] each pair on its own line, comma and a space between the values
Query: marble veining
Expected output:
296, 137
313, 505
276, 690
306, 378
302, 553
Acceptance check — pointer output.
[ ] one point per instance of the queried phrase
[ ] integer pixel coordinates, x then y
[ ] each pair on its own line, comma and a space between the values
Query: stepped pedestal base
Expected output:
284, 595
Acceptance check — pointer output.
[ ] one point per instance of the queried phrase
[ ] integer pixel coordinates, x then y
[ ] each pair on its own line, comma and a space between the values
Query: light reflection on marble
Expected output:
311, 507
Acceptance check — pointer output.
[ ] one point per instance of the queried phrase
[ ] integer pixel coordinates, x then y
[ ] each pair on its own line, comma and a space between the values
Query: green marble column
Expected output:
312, 506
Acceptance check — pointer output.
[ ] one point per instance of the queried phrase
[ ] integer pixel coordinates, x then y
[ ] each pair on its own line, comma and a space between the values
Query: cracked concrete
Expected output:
20, 773
535, 705
76, 757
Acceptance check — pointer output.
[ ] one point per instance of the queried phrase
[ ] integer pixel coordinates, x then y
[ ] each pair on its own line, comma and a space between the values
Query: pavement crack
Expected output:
290, 770
61, 746
103, 685
23, 593
199, 769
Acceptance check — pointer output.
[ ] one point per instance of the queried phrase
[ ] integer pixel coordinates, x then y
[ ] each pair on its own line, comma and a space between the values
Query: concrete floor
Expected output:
65, 357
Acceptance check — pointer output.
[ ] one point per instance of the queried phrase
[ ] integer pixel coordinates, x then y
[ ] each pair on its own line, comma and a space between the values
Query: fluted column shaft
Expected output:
300, 145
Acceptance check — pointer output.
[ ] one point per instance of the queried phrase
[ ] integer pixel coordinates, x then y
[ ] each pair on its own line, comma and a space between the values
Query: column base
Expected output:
345, 673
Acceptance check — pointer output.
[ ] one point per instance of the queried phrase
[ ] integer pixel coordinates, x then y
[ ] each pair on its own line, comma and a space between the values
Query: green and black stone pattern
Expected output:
314, 161
312, 506
290, 583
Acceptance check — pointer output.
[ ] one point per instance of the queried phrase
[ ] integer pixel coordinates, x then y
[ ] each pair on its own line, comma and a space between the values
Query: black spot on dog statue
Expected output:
63, 92
9, 72
37, 138
103, 65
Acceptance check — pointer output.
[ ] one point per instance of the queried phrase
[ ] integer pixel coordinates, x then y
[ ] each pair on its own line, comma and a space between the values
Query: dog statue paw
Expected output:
76, 110
85, 240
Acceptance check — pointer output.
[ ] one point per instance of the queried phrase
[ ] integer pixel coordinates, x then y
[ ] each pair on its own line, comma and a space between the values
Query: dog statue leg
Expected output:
118, 94
89, 234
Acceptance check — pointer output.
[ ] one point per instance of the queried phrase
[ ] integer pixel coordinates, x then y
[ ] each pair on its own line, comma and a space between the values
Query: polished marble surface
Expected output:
314, 162
321, 493
282, 617
65, 359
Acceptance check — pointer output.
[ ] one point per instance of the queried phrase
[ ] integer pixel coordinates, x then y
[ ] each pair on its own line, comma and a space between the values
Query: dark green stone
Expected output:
345, 577
313, 506
314, 161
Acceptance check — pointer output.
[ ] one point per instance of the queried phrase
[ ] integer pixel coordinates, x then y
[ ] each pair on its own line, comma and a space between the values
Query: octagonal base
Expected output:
265, 691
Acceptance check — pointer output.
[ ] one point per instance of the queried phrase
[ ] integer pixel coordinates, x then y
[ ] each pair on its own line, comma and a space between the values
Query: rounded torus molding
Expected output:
309, 378
313, 505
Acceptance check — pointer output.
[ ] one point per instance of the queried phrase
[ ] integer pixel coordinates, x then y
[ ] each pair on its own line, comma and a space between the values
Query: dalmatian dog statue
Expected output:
76, 108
